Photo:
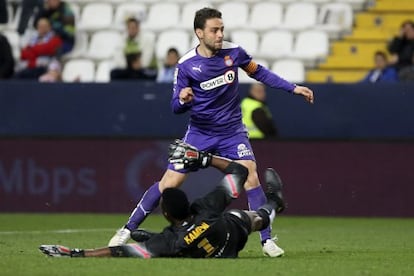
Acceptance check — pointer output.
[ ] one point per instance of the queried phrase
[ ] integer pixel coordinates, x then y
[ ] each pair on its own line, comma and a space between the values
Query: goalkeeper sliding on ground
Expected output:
199, 230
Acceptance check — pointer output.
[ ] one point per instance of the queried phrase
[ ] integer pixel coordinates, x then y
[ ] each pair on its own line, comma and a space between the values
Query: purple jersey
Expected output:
216, 105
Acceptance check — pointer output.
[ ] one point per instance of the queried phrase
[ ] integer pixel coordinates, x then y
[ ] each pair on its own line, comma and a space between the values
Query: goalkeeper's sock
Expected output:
256, 199
145, 206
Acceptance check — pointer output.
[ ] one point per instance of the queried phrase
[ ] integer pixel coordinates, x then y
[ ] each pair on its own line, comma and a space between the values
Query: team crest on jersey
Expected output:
228, 61
227, 78
243, 150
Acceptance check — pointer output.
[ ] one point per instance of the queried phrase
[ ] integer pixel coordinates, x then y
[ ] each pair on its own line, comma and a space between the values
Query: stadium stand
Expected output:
79, 70
352, 56
169, 12
300, 16
348, 31
125, 10
178, 39
265, 16
248, 38
292, 70
235, 14
276, 44
95, 17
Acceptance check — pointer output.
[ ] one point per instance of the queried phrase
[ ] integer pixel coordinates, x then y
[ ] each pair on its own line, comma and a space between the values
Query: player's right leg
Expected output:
149, 201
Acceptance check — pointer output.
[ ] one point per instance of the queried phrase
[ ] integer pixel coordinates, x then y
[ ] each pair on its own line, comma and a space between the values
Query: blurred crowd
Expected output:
43, 55
398, 63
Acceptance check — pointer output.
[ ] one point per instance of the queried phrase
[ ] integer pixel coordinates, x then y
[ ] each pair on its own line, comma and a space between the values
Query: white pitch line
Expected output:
59, 231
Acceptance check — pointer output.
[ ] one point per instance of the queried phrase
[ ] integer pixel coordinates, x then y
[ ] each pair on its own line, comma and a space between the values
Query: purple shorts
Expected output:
235, 146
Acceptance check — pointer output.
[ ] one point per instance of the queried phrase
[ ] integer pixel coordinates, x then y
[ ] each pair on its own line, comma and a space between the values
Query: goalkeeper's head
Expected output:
175, 205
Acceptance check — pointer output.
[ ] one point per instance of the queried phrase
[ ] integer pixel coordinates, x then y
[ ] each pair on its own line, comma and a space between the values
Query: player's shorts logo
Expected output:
243, 150
227, 78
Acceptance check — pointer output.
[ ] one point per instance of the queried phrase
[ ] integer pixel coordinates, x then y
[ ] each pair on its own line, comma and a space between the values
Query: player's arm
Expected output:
271, 79
136, 250
182, 94
264, 75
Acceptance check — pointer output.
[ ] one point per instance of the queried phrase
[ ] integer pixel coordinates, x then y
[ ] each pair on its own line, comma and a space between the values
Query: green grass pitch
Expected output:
313, 245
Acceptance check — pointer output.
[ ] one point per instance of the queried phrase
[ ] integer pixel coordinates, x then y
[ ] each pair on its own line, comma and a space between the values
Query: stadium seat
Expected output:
362, 48
148, 47
14, 17
125, 10
356, 5
235, 14
247, 39
80, 47
292, 70
104, 44
299, 16
316, 1
187, 16
405, 6
276, 44
172, 38
265, 16
103, 71
311, 45
162, 16
14, 41
349, 62
96, 16
194, 41
340, 76
335, 19
79, 70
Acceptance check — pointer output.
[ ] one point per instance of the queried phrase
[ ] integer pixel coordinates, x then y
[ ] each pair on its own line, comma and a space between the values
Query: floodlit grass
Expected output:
314, 246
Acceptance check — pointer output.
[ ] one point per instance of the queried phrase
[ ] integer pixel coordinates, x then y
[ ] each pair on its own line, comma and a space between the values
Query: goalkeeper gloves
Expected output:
186, 156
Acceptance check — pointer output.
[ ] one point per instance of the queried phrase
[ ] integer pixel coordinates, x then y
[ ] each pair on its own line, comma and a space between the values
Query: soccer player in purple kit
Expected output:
206, 85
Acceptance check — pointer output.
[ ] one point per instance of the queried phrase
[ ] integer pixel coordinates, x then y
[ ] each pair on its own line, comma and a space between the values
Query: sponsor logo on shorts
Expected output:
227, 78
243, 150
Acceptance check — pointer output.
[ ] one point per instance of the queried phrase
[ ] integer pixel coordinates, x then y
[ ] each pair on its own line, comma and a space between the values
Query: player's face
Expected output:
212, 35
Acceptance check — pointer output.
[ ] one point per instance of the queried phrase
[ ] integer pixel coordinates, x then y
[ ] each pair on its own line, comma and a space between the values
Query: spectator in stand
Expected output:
406, 74
134, 70
6, 58
62, 20
134, 43
4, 16
54, 72
43, 47
28, 8
256, 115
382, 71
402, 46
166, 73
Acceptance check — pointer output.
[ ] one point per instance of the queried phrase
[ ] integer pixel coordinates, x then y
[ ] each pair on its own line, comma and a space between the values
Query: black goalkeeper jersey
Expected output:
210, 232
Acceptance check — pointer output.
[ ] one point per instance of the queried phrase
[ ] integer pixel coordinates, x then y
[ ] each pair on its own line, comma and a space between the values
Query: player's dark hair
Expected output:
175, 203
202, 15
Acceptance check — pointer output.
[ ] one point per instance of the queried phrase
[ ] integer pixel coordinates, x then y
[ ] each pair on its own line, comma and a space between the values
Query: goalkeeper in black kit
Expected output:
202, 229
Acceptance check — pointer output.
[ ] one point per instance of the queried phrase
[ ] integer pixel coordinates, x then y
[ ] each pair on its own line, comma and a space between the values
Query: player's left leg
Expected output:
256, 198
238, 148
